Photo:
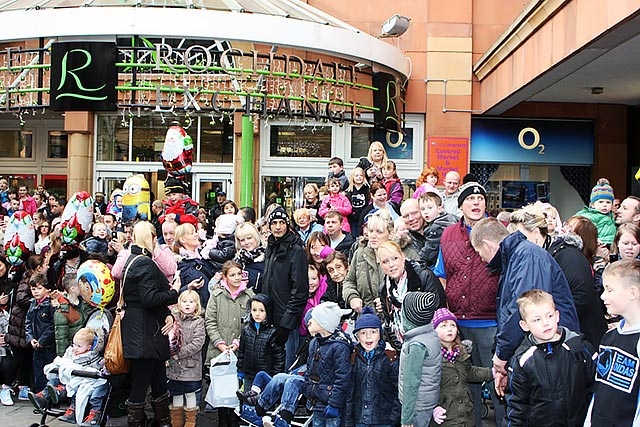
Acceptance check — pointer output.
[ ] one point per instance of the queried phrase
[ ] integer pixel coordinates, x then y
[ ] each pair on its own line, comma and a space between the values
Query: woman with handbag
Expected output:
146, 323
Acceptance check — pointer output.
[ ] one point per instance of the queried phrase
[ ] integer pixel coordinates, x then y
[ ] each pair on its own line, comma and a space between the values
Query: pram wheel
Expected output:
485, 411
35, 425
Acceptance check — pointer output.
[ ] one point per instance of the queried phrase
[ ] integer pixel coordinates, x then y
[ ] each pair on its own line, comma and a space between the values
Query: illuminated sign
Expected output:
83, 76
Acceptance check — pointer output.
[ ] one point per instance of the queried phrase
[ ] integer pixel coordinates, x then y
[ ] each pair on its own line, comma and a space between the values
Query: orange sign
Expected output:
447, 154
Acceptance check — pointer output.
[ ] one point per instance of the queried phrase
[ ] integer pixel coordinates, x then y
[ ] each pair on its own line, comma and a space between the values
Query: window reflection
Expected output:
300, 141
16, 144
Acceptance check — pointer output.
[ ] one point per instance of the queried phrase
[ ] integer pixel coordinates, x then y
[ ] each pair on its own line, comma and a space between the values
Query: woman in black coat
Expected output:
145, 326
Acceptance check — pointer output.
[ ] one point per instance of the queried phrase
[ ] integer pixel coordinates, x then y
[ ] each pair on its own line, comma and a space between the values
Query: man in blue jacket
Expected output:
523, 266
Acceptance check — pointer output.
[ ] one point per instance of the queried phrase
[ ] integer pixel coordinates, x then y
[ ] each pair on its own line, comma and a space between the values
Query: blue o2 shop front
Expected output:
524, 160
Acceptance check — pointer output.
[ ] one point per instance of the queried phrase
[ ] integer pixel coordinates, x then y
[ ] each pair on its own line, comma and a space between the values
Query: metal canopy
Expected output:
287, 23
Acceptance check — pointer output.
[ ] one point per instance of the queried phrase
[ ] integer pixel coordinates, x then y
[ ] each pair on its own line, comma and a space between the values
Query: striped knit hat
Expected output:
602, 191
418, 307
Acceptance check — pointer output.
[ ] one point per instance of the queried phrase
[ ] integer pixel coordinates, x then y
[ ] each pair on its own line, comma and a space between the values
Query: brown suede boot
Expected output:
177, 416
190, 417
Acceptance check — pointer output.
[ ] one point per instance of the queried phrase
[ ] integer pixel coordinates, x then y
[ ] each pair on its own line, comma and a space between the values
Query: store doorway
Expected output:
207, 186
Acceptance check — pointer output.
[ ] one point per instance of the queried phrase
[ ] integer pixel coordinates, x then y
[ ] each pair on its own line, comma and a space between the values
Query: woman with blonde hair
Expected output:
145, 327
312, 201
250, 253
373, 163
401, 276
365, 275
195, 271
566, 250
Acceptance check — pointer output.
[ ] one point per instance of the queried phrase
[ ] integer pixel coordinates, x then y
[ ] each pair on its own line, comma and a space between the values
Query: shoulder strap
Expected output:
124, 278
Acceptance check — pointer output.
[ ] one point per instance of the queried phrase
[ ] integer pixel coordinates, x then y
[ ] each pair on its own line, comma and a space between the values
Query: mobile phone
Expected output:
114, 234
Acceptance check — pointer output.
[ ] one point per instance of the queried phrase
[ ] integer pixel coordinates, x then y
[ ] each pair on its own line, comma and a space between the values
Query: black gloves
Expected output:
282, 335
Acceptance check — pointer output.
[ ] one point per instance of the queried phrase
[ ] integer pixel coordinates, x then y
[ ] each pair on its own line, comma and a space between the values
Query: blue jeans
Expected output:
290, 348
41, 357
482, 355
318, 420
376, 425
283, 387
98, 396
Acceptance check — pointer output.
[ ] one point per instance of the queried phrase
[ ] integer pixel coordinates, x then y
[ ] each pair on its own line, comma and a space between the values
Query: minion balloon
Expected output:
135, 201
19, 238
76, 219
177, 153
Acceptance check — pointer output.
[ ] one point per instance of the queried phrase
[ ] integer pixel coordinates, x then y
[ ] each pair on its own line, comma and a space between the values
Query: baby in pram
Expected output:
84, 393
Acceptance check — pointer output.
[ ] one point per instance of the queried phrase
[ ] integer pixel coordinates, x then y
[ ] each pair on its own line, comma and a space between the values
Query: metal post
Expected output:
246, 168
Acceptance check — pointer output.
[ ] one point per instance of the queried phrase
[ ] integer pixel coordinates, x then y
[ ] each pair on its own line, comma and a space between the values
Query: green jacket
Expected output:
67, 319
223, 318
364, 279
605, 224
454, 389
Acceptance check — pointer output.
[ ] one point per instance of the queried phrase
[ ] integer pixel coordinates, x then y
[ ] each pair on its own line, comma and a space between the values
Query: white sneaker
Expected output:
5, 395
267, 421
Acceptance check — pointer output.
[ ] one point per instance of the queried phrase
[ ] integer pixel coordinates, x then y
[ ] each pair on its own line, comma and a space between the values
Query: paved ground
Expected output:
21, 415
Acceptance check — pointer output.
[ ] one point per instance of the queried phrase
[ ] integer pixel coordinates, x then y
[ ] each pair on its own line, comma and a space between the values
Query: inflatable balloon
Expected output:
19, 238
96, 283
136, 198
76, 219
177, 153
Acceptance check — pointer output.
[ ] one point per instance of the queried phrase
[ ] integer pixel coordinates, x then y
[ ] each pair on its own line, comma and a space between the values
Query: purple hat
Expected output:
441, 315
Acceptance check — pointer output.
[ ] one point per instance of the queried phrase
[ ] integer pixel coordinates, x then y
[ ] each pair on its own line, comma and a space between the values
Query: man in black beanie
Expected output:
285, 280
471, 289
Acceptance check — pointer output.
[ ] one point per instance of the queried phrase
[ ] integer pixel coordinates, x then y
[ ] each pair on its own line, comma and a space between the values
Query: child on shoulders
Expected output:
436, 220
600, 212
337, 201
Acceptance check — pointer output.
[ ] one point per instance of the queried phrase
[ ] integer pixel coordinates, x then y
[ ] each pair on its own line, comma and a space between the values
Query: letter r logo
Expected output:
83, 76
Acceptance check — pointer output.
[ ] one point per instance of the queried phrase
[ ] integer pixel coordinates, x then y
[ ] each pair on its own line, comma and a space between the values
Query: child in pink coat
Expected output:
336, 201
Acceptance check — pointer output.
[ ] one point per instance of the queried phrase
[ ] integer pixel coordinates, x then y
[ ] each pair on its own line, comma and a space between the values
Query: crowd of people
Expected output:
378, 305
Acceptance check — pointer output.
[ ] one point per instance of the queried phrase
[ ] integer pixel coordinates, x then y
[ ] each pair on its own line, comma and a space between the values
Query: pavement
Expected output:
21, 415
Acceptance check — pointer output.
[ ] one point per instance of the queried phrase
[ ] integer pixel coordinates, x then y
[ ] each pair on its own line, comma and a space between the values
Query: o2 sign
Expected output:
536, 140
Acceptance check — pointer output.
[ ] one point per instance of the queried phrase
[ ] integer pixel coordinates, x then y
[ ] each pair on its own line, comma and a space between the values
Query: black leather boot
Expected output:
161, 414
135, 414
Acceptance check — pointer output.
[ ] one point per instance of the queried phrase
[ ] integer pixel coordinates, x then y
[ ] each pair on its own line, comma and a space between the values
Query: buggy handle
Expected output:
85, 374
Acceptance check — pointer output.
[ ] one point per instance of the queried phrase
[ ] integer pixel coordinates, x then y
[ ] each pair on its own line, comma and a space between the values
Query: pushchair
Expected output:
48, 410
100, 321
